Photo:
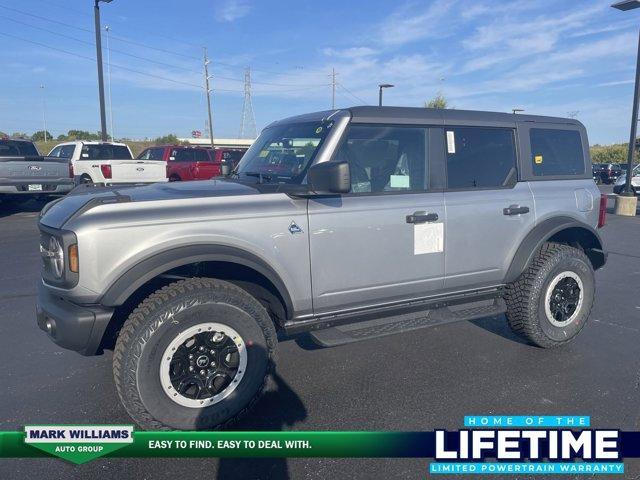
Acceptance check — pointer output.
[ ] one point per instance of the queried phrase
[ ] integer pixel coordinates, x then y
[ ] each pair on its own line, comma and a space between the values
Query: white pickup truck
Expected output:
109, 163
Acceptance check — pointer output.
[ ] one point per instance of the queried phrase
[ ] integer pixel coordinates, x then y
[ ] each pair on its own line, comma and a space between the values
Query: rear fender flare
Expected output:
583, 233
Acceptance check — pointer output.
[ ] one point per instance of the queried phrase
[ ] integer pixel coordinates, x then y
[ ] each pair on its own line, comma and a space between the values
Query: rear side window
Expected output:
556, 152
104, 151
11, 148
201, 156
480, 157
183, 155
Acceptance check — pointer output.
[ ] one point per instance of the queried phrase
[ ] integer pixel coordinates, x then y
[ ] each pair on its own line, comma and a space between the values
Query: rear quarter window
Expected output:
556, 152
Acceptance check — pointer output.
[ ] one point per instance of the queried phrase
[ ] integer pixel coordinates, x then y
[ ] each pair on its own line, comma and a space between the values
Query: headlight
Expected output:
53, 256
59, 252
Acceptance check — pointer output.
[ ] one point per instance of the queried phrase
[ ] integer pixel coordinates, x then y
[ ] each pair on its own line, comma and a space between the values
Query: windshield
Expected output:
11, 148
104, 151
282, 153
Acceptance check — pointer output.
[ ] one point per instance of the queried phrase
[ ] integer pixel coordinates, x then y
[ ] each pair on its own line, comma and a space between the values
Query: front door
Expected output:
383, 242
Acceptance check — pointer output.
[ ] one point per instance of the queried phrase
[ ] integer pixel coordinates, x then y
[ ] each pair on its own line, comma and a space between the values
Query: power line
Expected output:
352, 94
121, 39
93, 59
52, 32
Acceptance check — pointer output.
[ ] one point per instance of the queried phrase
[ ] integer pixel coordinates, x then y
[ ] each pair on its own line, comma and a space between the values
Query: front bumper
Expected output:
74, 327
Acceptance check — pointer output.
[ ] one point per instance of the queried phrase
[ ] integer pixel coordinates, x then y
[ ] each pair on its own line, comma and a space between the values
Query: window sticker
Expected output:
451, 142
319, 129
537, 159
428, 238
399, 181
263, 153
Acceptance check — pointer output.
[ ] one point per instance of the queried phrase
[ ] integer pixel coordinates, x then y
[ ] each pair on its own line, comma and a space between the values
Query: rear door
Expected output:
381, 243
205, 167
488, 211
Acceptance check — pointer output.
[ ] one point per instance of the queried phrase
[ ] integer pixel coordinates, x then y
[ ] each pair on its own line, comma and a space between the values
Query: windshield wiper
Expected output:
260, 176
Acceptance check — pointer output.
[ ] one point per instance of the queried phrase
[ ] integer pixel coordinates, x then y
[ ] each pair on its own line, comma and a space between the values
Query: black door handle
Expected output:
422, 217
515, 210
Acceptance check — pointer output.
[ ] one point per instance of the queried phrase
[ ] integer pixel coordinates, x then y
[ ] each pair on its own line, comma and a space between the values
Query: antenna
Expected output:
248, 121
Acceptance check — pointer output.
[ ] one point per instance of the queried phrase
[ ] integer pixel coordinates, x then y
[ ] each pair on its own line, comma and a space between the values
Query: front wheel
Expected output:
193, 355
550, 302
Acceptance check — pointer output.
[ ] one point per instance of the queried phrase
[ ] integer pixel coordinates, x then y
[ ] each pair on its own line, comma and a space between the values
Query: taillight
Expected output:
71, 170
602, 213
106, 171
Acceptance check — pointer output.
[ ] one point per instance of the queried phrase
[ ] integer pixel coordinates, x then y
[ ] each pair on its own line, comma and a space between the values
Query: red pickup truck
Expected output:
193, 163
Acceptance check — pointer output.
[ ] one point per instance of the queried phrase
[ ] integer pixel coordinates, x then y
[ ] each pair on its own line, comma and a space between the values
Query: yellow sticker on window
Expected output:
538, 159
318, 130
263, 153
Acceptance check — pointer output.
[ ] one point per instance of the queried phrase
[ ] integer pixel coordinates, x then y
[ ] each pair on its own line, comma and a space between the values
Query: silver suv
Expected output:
349, 224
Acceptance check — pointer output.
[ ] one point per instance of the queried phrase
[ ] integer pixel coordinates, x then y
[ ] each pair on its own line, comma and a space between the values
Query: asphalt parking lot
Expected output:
423, 380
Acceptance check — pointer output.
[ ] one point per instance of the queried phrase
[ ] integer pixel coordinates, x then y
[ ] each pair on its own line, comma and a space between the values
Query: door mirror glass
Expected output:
330, 177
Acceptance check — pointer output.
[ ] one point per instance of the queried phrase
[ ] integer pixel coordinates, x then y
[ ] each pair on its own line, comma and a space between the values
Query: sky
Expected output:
549, 57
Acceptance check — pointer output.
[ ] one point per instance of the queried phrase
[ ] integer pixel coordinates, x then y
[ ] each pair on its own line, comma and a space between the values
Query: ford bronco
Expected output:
347, 224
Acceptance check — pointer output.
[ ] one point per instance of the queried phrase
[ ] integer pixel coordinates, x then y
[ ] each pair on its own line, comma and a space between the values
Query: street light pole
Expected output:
107, 29
380, 87
103, 118
44, 112
206, 86
626, 202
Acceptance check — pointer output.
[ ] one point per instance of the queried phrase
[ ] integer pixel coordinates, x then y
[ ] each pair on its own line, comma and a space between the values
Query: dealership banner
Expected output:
485, 445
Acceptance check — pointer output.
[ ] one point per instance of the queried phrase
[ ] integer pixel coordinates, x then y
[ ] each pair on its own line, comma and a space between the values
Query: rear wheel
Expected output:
85, 179
550, 302
174, 178
193, 355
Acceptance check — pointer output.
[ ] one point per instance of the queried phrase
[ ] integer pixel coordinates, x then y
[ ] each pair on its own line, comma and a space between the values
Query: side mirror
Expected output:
330, 177
225, 169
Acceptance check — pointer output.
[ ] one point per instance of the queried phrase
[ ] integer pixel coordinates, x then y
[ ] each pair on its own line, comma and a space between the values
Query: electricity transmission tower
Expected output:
248, 121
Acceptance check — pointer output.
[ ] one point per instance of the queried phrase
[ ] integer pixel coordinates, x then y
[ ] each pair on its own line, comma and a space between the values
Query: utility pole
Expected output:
248, 120
206, 86
106, 27
103, 119
44, 112
333, 89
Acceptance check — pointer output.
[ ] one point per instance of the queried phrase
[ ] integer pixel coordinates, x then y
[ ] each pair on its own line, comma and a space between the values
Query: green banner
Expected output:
32, 443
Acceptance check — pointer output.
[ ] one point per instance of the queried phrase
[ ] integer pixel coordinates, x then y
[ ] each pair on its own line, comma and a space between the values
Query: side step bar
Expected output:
380, 327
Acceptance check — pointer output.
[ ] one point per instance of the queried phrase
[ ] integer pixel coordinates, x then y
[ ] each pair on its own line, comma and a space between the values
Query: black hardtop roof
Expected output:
403, 115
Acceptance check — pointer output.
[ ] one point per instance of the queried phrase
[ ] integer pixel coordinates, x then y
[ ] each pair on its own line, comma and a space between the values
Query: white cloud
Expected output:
409, 24
231, 10
353, 52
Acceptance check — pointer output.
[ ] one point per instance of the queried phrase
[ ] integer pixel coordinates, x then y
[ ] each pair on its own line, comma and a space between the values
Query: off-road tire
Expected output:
158, 320
526, 296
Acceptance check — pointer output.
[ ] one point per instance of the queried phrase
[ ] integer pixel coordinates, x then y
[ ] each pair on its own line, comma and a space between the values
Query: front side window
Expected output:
145, 155
183, 155
556, 152
55, 152
156, 153
384, 158
479, 157
283, 153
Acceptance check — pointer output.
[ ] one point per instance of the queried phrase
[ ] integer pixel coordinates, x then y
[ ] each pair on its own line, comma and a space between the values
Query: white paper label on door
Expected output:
451, 142
428, 238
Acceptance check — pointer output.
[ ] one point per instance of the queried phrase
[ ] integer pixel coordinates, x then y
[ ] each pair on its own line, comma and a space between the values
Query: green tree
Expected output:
19, 135
40, 136
169, 139
83, 135
439, 101
616, 153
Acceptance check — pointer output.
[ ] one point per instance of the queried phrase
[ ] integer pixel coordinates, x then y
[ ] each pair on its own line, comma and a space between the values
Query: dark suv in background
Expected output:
193, 163
606, 173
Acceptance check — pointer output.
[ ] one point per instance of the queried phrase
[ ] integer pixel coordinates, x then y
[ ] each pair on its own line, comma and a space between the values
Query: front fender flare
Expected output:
159, 263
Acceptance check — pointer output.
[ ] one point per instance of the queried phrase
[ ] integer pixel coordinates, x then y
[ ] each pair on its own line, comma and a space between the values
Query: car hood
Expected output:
85, 197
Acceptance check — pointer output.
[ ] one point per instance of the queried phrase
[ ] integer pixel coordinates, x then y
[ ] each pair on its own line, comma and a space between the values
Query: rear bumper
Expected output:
49, 187
74, 327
